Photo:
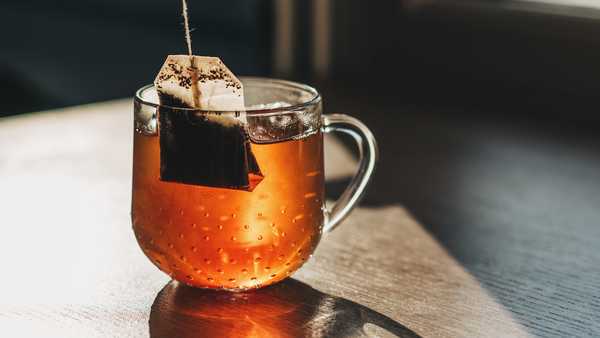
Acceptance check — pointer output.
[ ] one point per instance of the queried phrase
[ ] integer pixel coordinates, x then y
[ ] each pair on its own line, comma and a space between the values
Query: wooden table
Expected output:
72, 267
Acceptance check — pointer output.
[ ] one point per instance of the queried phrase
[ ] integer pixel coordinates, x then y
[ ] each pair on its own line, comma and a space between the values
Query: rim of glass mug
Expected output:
313, 99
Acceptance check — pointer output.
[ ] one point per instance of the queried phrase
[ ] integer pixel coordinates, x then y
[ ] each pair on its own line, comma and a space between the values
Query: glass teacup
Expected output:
259, 233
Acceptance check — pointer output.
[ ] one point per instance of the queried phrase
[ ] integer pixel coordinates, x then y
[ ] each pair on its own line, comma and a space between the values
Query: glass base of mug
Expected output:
231, 290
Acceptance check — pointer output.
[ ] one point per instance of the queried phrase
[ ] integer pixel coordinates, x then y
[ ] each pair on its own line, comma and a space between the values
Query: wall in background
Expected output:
63, 53
529, 58
506, 56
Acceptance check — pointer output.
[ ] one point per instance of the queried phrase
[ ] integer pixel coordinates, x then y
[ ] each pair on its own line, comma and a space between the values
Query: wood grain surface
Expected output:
72, 268
512, 196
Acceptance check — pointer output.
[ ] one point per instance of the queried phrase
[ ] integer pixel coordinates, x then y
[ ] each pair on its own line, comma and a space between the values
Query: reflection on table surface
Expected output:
288, 309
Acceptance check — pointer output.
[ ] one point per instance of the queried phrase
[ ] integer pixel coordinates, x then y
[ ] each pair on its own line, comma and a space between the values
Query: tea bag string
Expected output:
188, 40
186, 25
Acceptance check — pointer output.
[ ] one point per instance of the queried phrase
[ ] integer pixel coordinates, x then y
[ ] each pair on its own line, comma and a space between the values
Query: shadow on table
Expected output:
288, 309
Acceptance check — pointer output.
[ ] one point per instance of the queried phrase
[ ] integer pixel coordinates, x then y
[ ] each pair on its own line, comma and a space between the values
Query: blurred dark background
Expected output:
485, 111
61, 53
523, 57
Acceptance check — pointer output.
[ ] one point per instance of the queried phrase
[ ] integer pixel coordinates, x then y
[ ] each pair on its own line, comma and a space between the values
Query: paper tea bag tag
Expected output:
202, 82
203, 147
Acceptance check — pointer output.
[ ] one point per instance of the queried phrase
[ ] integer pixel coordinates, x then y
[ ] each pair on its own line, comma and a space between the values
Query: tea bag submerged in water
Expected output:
203, 147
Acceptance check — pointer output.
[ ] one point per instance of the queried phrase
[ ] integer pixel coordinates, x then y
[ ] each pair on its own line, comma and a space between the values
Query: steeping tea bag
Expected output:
207, 143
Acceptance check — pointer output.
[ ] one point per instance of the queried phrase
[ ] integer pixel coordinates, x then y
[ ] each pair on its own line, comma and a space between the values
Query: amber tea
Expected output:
226, 238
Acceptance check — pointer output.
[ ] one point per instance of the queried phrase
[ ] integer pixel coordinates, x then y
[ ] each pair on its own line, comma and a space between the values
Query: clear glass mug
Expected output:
261, 232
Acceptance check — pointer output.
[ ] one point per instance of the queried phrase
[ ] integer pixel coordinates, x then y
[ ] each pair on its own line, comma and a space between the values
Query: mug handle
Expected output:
368, 154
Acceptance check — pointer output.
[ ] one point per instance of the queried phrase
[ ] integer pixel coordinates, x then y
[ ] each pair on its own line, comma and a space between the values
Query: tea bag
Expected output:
203, 147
